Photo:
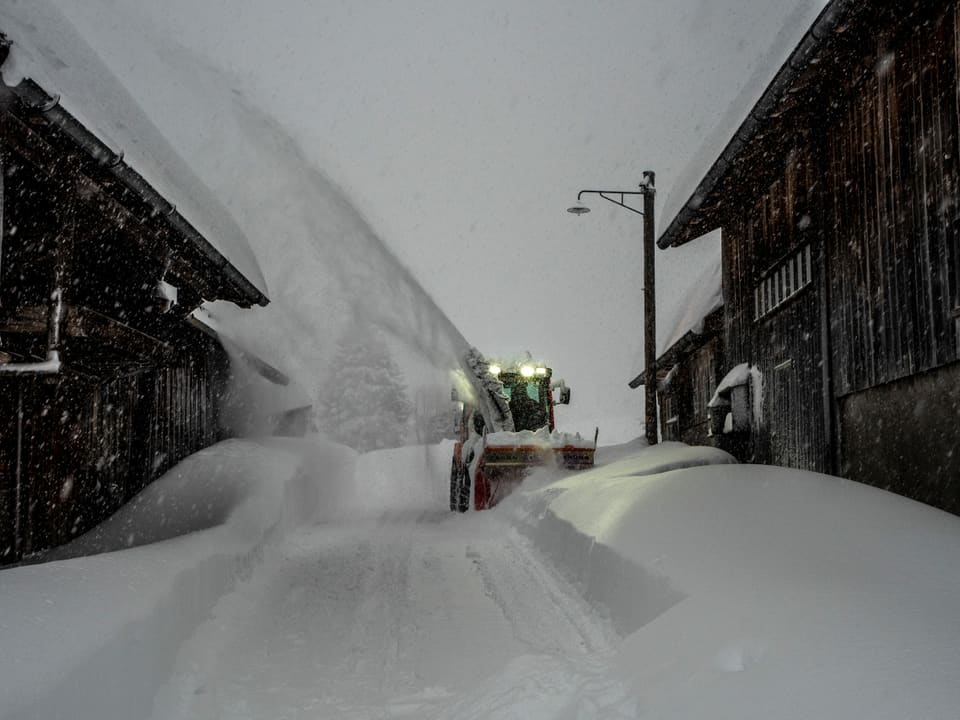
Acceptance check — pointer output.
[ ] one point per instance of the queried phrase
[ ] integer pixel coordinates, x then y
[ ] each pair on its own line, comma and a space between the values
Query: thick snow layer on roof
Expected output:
49, 50
781, 45
704, 295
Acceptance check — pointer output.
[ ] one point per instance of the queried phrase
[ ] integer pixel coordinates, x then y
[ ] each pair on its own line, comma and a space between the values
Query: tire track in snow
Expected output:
543, 608
375, 634
392, 618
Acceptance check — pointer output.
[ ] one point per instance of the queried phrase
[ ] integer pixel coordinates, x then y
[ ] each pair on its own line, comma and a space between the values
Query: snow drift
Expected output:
757, 592
123, 614
736, 591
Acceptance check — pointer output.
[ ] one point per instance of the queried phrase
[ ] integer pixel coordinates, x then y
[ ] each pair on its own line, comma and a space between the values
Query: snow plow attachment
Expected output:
507, 458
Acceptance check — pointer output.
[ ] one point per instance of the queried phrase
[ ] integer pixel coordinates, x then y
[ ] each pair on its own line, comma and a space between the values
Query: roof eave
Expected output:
234, 286
690, 222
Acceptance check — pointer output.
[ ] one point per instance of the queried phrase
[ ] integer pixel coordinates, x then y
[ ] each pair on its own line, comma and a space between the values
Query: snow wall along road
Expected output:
121, 602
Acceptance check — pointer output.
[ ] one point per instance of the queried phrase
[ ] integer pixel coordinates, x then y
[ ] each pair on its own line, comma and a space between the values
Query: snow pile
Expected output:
728, 590
219, 485
541, 438
758, 592
407, 480
123, 615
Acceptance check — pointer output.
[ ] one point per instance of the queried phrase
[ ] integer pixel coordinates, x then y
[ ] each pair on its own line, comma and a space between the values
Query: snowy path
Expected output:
395, 617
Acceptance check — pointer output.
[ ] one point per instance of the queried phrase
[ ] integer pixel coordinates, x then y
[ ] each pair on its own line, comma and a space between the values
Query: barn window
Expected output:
782, 282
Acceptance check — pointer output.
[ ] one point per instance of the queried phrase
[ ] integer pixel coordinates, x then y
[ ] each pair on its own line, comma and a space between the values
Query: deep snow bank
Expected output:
94, 636
405, 480
753, 591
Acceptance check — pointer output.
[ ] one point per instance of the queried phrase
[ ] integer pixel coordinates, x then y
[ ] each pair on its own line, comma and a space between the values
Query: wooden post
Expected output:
649, 310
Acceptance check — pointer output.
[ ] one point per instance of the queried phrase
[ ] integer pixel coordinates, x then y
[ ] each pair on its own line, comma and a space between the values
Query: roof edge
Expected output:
685, 345
826, 22
33, 96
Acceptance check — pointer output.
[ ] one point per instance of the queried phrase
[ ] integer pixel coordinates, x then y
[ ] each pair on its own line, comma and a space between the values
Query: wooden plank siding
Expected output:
760, 250
892, 249
704, 376
861, 166
839, 203
138, 387
688, 375
88, 445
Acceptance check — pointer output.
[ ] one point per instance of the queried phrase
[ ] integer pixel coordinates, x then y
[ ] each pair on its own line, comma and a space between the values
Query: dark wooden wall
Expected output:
87, 445
139, 388
864, 170
893, 200
772, 294
684, 414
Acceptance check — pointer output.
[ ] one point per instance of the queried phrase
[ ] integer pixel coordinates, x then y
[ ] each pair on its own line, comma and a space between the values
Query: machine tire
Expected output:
454, 486
459, 489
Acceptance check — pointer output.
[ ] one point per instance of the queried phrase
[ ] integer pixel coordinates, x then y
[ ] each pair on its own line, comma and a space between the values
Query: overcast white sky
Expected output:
462, 131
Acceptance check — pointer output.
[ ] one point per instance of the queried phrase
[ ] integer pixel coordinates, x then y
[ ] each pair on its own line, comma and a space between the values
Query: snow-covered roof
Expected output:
48, 50
800, 36
704, 296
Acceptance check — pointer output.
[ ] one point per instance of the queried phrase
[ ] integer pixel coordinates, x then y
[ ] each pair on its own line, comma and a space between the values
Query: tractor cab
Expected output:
529, 394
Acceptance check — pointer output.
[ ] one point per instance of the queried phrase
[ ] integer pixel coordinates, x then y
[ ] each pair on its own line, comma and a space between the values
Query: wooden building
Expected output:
687, 377
103, 383
839, 202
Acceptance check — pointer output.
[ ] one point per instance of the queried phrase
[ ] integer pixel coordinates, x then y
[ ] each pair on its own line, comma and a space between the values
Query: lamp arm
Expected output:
607, 195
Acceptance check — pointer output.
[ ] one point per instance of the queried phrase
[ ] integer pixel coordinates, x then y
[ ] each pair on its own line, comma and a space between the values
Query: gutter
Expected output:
824, 26
33, 96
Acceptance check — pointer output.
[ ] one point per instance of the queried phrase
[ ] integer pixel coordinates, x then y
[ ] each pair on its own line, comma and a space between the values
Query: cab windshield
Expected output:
528, 401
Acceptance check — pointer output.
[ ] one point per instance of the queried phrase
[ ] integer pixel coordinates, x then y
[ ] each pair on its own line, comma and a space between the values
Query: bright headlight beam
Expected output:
527, 371
494, 369
541, 371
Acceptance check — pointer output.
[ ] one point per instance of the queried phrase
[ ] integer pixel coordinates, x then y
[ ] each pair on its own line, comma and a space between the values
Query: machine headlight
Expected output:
494, 369
527, 371
541, 371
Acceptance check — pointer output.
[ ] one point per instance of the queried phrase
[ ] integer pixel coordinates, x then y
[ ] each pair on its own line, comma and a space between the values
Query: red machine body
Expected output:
488, 466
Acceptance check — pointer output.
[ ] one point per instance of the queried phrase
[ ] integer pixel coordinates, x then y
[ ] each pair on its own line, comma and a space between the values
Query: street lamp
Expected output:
618, 197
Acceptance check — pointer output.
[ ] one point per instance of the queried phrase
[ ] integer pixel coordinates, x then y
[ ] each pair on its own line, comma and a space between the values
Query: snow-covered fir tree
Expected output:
364, 403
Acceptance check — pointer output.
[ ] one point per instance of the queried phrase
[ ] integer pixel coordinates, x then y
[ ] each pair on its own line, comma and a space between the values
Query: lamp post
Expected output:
617, 197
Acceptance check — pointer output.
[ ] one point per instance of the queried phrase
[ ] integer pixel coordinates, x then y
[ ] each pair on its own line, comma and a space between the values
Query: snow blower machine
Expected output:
505, 428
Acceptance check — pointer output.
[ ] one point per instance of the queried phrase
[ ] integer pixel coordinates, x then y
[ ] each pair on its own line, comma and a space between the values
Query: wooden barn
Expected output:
690, 360
839, 202
103, 383
687, 377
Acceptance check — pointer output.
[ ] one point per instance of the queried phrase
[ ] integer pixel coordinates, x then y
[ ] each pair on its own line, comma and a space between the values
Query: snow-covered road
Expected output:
664, 583
399, 616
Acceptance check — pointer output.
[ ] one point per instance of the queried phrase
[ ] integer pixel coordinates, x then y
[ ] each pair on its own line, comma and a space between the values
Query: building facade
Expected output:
839, 201
104, 384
